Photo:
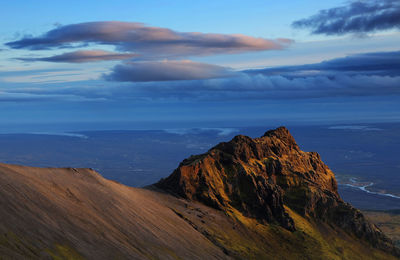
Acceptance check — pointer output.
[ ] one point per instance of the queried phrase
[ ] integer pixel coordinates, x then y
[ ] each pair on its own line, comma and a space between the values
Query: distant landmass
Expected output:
248, 198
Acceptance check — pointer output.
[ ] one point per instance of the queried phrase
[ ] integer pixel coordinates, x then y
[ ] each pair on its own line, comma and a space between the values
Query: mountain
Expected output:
259, 198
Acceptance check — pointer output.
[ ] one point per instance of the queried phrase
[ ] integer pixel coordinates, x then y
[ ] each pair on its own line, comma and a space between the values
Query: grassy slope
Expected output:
388, 222
245, 238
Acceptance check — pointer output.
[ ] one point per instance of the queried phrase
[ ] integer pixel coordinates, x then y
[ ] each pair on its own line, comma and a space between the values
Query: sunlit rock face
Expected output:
260, 177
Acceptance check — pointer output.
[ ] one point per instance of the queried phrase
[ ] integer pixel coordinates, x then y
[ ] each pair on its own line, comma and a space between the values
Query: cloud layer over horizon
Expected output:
375, 63
359, 75
355, 17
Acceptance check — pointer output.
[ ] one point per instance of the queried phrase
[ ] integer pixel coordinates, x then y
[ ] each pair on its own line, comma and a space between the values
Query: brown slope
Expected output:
261, 177
76, 212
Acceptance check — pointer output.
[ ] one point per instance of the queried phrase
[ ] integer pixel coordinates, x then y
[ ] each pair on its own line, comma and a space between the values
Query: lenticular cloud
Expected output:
151, 41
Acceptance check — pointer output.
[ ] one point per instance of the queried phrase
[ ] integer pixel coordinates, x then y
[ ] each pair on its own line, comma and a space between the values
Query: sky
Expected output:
163, 64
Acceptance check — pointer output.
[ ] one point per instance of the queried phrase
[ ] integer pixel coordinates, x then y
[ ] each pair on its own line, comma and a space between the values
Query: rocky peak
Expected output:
283, 134
251, 175
260, 177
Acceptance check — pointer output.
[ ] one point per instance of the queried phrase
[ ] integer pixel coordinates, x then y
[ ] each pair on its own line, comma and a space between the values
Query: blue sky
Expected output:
160, 63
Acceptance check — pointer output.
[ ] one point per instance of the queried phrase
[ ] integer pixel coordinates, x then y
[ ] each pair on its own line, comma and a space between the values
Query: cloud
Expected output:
152, 41
28, 96
377, 63
244, 87
50, 75
261, 87
166, 71
359, 75
84, 56
355, 127
355, 17
223, 131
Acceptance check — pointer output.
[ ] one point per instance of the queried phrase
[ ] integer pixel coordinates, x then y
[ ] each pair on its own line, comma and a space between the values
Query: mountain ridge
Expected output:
260, 177
70, 213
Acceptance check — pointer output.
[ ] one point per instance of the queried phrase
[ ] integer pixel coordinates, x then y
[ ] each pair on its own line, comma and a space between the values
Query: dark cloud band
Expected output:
166, 71
356, 17
378, 63
244, 87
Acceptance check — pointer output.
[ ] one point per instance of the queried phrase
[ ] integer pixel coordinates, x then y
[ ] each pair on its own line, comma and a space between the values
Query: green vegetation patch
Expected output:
64, 252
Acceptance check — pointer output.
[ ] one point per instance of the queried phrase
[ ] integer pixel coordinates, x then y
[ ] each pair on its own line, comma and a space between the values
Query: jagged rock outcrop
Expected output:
260, 177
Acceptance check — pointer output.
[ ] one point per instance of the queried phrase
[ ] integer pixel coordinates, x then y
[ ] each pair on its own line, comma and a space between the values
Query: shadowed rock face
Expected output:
260, 176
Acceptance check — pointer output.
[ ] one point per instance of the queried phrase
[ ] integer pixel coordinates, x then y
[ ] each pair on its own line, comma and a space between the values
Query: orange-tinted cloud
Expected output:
84, 56
151, 41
